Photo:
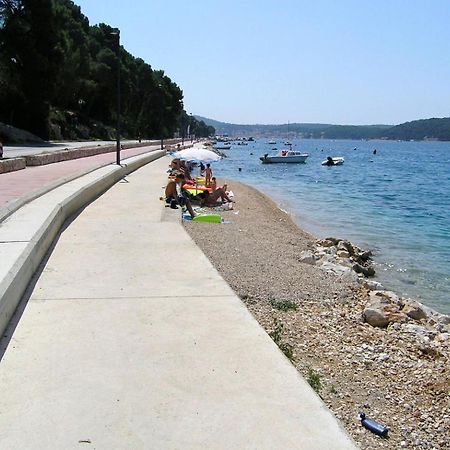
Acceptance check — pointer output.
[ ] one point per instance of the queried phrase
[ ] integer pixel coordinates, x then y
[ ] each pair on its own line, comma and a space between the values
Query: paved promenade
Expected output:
14, 185
128, 338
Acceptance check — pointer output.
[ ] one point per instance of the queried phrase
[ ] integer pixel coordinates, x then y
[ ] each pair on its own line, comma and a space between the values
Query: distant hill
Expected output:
305, 130
427, 129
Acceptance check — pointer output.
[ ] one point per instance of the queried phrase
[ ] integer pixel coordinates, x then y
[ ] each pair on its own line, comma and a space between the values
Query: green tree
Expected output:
30, 47
53, 61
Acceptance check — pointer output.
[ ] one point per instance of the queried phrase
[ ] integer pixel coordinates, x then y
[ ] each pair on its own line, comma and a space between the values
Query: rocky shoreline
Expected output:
362, 348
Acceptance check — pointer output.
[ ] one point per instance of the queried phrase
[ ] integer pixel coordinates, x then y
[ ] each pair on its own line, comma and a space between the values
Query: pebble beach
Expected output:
393, 375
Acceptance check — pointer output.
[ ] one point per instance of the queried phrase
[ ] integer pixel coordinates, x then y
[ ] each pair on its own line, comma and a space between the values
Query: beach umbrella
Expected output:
196, 154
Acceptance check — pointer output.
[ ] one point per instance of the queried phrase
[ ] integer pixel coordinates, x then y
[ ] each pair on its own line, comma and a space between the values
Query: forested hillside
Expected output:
58, 78
422, 129
427, 129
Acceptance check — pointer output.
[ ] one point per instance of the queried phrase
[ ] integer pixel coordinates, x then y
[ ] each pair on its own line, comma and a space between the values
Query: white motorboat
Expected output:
222, 147
272, 142
284, 156
333, 161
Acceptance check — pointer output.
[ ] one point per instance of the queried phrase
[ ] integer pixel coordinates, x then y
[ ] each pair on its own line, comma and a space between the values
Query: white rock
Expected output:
444, 319
343, 253
372, 285
385, 297
337, 269
414, 309
375, 317
380, 313
307, 257
419, 330
443, 337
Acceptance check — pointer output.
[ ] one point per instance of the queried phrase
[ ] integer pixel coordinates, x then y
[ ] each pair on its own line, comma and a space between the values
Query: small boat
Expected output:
333, 161
222, 147
284, 156
272, 142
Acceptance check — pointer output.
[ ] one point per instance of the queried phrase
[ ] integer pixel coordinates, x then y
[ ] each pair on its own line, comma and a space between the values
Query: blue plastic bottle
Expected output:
373, 426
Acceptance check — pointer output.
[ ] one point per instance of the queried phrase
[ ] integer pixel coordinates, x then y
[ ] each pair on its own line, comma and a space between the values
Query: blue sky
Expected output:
274, 61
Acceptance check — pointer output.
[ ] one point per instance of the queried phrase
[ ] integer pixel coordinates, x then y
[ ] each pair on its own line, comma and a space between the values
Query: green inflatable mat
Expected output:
214, 218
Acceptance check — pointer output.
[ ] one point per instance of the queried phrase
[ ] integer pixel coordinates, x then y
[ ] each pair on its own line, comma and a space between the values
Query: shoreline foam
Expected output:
392, 374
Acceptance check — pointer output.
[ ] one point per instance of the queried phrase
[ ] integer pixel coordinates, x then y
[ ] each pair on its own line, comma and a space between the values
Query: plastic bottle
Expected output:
373, 426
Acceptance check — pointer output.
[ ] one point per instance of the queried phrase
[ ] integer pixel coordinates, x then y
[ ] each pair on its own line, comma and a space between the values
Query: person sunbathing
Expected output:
175, 195
216, 198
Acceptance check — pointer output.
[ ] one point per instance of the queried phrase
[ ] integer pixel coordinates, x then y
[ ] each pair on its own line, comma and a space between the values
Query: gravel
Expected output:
385, 373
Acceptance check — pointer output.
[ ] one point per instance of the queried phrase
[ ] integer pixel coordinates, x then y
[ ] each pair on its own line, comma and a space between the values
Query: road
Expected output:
10, 151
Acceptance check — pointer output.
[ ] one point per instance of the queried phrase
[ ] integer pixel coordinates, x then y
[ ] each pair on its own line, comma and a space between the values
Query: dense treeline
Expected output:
306, 130
58, 78
422, 129
438, 129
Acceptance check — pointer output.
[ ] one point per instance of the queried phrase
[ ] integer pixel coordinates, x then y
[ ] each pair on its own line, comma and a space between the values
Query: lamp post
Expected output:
161, 117
116, 32
182, 129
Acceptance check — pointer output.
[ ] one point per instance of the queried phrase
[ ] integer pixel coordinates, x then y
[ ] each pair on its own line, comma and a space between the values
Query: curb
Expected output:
16, 274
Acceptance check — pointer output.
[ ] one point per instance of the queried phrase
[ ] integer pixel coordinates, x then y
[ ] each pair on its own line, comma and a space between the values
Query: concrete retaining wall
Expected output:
72, 153
12, 164
83, 152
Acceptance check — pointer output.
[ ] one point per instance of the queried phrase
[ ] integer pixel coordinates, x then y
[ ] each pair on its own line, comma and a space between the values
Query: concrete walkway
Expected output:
129, 339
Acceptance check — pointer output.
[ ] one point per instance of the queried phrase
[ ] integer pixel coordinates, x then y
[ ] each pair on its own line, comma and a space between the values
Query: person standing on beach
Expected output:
208, 175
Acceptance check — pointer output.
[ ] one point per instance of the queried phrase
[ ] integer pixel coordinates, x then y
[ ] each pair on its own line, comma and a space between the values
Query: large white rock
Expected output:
414, 309
337, 269
382, 309
307, 257
384, 297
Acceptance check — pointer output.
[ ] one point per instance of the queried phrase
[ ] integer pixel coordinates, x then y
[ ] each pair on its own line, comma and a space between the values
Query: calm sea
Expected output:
396, 203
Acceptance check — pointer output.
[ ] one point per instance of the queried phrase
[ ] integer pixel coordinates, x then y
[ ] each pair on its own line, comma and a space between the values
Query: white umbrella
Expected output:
197, 154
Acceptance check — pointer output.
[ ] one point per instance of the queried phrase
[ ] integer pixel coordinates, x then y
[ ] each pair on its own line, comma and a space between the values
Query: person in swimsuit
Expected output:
175, 196
216, 198
208, 175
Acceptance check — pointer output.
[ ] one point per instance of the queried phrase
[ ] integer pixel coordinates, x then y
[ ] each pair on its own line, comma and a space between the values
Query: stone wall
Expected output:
12, 164
73, 153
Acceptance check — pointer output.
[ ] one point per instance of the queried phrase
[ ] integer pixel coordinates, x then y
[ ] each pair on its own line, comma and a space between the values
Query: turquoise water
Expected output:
396, 202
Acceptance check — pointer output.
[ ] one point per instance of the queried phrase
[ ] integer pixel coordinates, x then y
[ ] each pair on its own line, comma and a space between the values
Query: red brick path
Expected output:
14, 185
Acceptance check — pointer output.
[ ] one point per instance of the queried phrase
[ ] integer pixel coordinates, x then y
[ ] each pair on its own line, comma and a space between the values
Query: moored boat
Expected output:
333, 161
284, 156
